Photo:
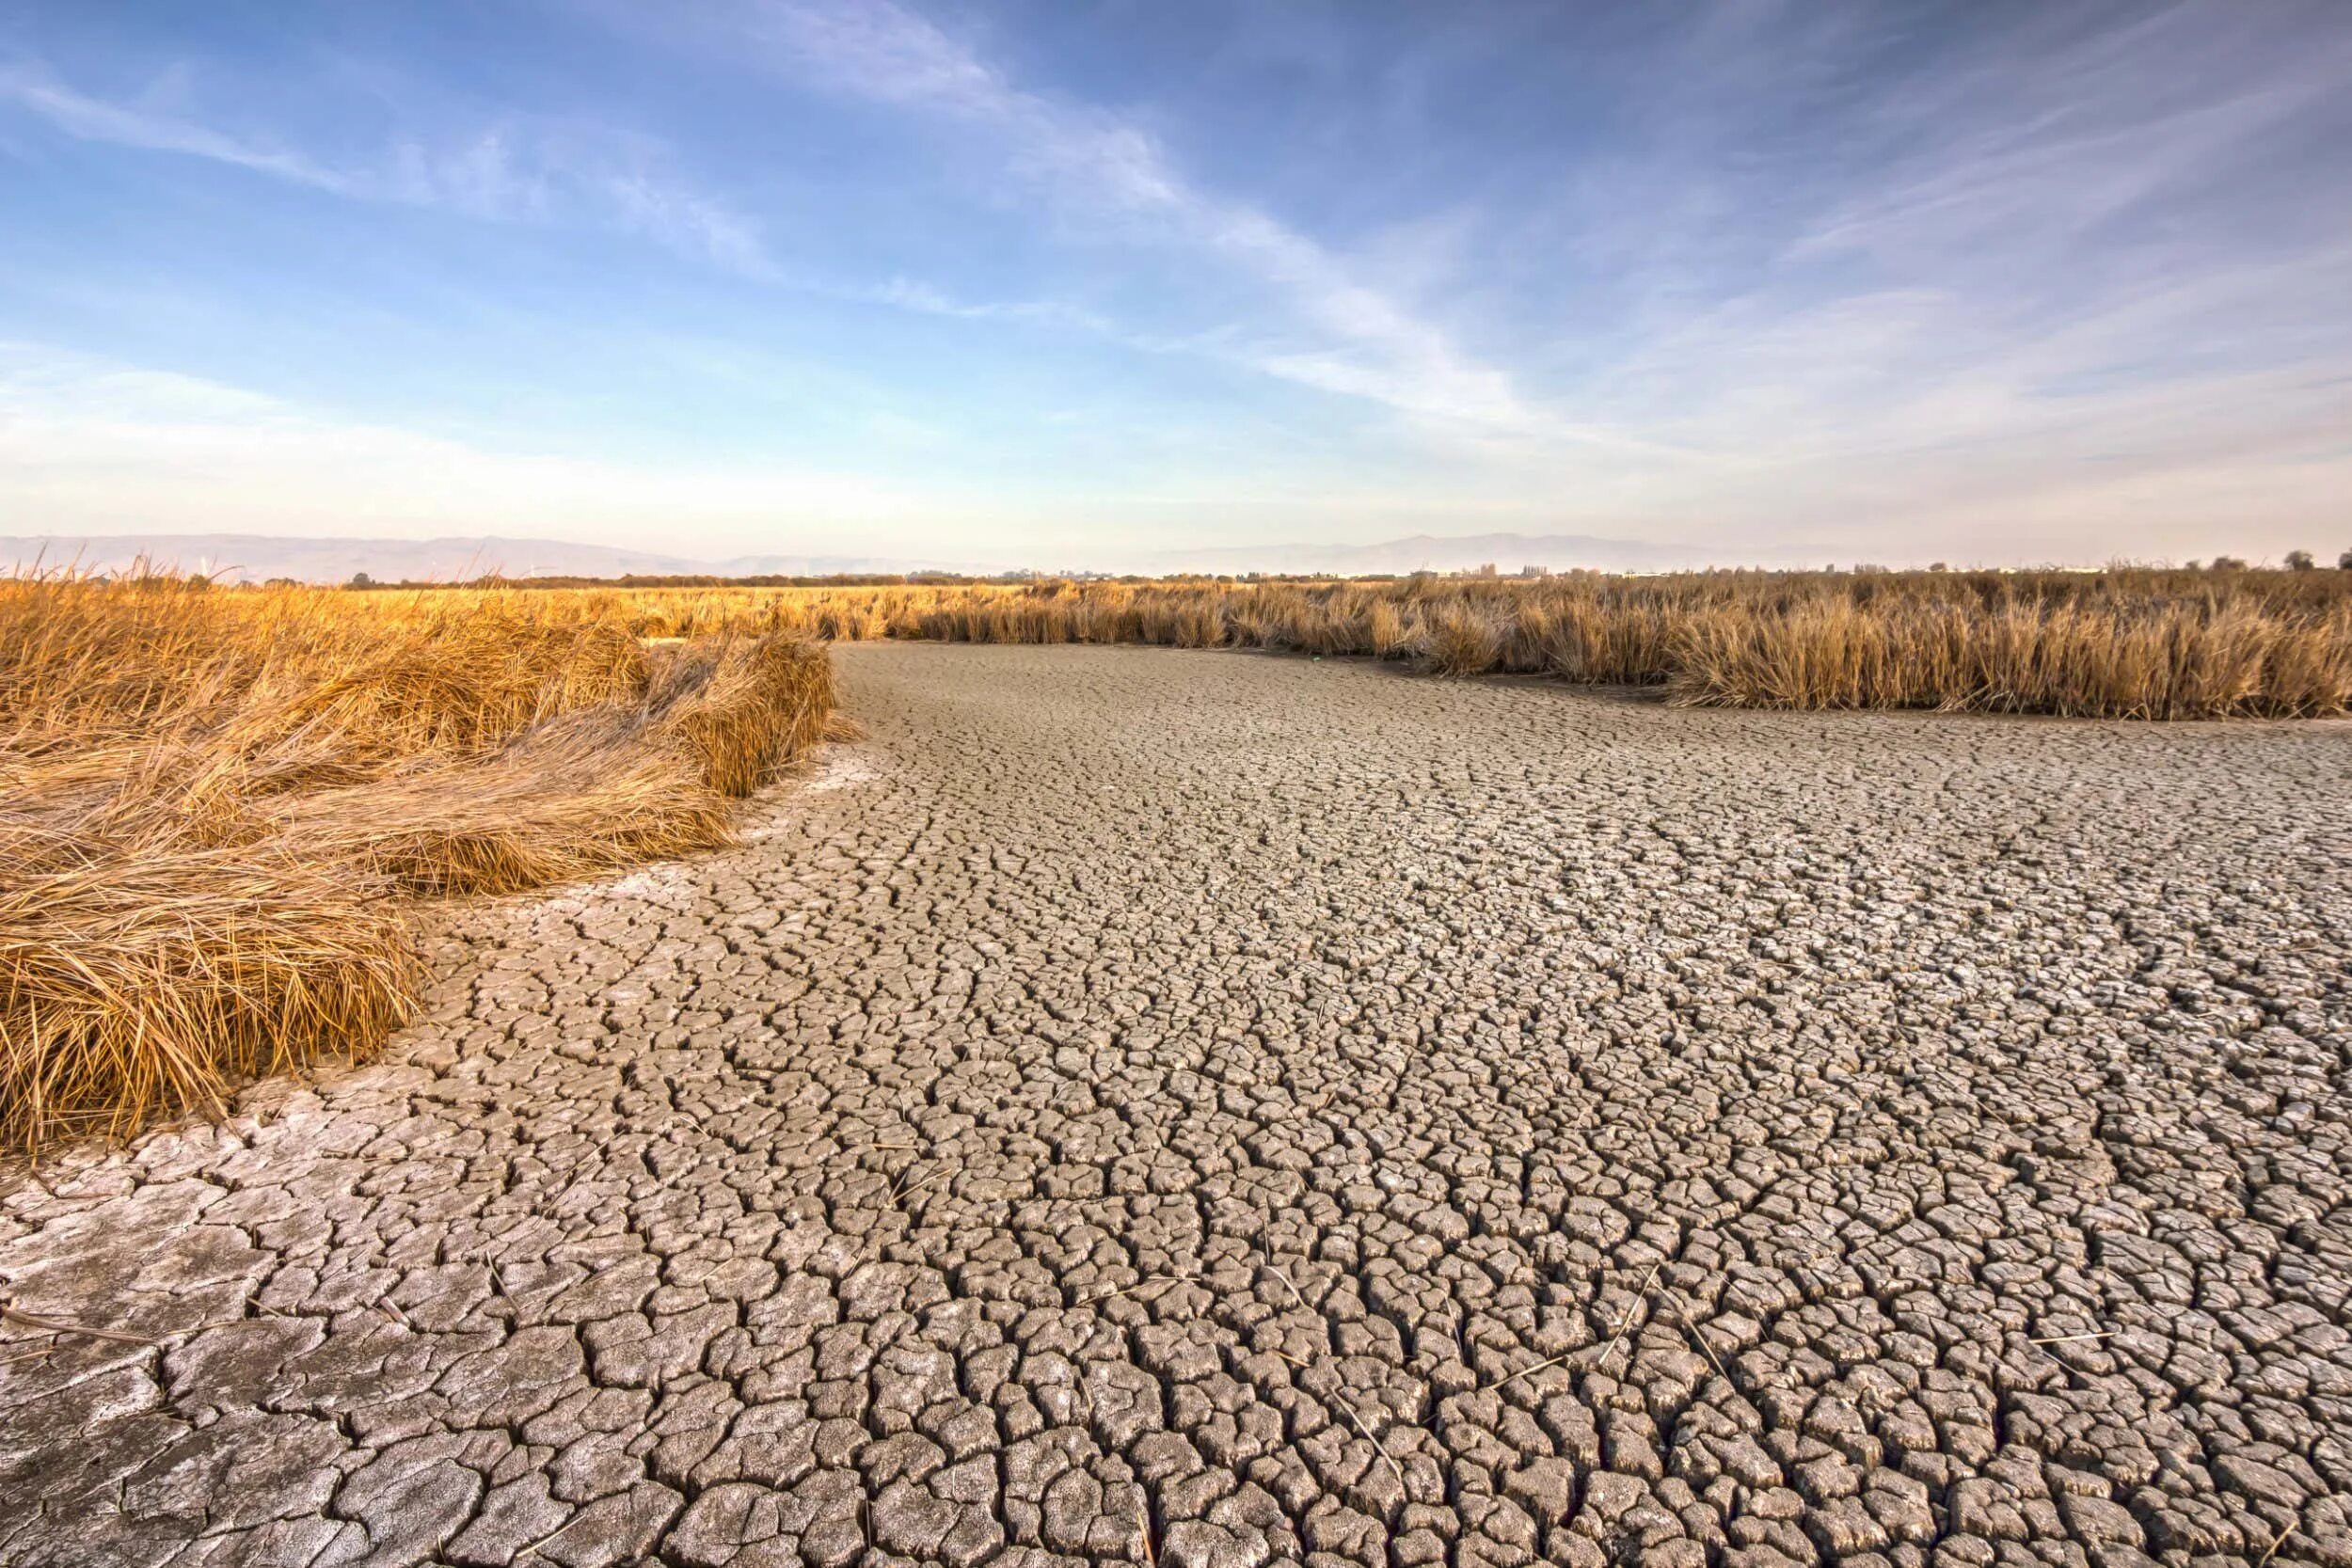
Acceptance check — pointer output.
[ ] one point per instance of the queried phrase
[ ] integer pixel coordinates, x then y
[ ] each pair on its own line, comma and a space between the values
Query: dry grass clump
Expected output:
2129, 643
1462, 640
139, 982
2161, 659
214, 806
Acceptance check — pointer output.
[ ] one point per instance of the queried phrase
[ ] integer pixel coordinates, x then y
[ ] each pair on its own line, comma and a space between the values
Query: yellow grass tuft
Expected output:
214, 806
1463, 639
138, 980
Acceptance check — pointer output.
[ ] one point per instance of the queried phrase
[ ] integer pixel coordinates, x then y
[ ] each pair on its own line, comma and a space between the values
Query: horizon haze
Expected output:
991, 282
253, 558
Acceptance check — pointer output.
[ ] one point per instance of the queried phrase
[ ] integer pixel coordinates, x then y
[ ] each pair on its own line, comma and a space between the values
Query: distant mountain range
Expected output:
251, 557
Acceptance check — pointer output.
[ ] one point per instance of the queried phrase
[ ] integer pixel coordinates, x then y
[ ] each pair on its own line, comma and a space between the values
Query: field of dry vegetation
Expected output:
218, 807
2124, 643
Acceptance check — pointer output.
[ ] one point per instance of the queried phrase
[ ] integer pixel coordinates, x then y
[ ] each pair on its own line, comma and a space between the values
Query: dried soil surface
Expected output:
1205, 1108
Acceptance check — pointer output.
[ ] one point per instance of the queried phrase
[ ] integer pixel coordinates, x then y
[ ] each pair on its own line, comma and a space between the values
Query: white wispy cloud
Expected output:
129, 125
910, 293
2042, 134
2073, 276
516, 168
1358, 340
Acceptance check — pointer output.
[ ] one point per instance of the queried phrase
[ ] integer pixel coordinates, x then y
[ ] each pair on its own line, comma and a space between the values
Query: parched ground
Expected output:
1202, 1108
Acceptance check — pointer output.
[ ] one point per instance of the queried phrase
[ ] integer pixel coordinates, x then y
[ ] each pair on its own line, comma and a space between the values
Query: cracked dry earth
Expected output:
1205, 1108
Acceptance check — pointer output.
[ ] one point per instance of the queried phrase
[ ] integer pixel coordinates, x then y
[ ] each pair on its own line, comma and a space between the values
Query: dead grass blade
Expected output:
56, 1325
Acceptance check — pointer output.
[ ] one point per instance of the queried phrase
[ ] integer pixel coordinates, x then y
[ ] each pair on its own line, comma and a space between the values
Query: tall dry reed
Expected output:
2129, 643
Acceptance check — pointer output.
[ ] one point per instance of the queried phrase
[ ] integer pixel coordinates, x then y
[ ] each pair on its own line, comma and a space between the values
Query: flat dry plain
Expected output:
1207, 1108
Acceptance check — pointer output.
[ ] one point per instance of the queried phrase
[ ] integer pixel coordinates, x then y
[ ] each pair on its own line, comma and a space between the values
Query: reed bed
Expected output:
218, 808
2128, 642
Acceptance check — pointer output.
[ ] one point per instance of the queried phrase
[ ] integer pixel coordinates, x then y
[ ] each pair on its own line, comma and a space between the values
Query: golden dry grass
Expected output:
2129, 643
215, 807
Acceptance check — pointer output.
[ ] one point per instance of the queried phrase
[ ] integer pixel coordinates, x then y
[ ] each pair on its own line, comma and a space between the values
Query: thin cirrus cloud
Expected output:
2088, 264
518, 168
1113, 172
125, 126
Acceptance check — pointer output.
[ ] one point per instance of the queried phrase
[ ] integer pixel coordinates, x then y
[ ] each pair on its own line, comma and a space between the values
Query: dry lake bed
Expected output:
1205, 1108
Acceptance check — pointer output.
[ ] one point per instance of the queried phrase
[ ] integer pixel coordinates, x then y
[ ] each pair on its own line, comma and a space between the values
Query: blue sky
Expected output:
1084, 283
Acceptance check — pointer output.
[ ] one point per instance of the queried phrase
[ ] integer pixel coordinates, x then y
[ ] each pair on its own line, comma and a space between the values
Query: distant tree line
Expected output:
2295, 561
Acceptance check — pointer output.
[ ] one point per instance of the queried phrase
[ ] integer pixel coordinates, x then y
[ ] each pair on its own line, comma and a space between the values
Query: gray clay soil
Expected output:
1209, 1108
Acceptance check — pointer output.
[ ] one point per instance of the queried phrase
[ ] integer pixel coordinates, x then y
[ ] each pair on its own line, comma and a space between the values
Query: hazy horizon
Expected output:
337, 559
1998, 283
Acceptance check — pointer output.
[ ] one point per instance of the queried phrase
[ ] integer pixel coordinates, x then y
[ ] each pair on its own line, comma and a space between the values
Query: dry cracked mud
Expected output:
1205, 1108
